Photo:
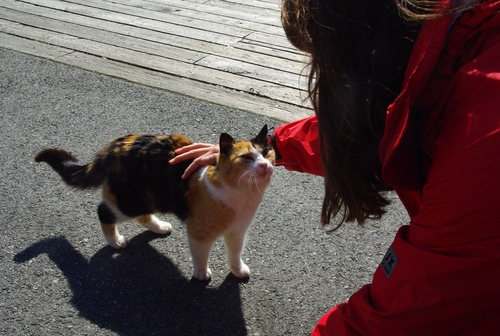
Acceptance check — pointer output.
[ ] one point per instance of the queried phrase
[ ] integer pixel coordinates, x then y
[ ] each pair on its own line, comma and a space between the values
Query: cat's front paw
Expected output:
118, 243
242, 272
202, 274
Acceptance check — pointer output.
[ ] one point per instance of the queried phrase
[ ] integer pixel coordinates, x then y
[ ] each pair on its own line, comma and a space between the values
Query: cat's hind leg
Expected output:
234, 241
152, 223
200, 250
109, 217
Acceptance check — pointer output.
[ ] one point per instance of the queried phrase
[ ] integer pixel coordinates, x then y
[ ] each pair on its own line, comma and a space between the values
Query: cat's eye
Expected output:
265, 152
246, 157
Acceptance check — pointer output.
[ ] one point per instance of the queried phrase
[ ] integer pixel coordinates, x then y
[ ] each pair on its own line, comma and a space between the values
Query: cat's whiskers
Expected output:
239, 180
256, 180
249, 184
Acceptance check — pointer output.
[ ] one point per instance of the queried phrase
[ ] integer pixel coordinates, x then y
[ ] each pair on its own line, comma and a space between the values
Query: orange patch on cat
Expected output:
232, 170
89, 167
211, 218
179, 141
144, 219
213, 175
129, 141
108, 195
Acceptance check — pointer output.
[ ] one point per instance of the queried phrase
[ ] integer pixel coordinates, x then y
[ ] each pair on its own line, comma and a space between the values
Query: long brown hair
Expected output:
359, 50
420, 10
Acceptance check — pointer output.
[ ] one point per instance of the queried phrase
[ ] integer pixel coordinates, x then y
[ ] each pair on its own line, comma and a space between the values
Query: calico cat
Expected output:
138, 181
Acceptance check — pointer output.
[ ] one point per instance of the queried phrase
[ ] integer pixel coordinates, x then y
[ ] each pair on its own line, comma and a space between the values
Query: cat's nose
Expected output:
265, 168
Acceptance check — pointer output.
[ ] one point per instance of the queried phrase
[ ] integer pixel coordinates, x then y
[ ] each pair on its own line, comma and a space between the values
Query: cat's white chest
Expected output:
243, 200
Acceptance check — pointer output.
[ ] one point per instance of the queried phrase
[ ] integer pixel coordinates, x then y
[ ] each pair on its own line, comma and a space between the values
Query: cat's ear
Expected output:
225, 143
261, 139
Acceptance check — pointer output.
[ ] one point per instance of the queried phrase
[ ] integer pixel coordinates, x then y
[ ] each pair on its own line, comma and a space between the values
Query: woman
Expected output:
407, 96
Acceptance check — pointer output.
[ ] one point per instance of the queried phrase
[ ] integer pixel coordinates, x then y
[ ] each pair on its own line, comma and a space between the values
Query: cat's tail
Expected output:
75, 175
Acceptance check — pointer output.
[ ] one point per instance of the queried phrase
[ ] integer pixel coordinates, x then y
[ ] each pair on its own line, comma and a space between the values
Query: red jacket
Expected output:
441, 275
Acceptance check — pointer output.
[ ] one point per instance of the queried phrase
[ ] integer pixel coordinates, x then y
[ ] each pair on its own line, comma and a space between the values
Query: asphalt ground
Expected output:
59, 277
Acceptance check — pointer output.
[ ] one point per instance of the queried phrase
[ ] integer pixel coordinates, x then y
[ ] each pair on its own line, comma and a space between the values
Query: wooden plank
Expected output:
277, 2
210, 93
243, 7
251, 71
224, 17
274, 61
267, 50
120, 28
286, 61
207, 92
130, 20
29, 46
168, 17
227, 11
173, 67
93, 34
255, 3
264, 39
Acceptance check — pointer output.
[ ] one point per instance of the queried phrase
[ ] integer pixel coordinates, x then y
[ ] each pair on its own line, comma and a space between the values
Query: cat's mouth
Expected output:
266, 172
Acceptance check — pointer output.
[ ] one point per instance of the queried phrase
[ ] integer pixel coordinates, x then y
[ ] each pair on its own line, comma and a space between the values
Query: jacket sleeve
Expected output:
297, 144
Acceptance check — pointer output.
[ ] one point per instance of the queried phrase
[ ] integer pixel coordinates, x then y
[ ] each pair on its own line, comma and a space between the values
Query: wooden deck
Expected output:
229, 52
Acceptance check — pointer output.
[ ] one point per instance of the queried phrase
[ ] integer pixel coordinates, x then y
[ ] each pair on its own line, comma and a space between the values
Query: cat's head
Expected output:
246, 163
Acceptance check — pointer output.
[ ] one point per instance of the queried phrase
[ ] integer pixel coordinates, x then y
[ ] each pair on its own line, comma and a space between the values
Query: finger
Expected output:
199, 162
191, 147
208, 159
192, 154
191, 169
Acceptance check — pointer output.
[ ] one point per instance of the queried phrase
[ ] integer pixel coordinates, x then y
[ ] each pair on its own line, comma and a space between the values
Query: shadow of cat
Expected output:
138, 291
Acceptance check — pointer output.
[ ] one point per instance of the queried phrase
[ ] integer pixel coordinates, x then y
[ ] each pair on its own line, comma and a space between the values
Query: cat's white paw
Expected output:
162, 227
118, 242
242, 272
202, 274
158, 226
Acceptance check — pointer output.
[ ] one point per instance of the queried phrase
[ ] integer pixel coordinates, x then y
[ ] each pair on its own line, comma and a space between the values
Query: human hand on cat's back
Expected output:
203, 154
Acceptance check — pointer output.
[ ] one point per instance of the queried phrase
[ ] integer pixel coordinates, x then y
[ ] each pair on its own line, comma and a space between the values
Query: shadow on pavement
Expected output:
138, 291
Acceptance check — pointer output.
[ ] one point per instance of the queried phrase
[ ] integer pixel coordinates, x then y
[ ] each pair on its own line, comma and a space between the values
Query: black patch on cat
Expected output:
137, 171
261, 138
225, 143
106, 215
64, 163
145, 182
54, 157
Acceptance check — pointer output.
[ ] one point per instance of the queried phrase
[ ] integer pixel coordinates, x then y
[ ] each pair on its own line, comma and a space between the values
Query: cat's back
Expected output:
140, 176
143, 146
140, 156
